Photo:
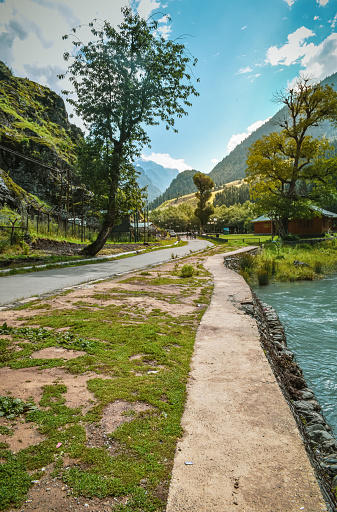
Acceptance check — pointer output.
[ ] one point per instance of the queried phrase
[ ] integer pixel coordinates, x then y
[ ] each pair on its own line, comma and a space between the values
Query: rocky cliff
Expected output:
37, 141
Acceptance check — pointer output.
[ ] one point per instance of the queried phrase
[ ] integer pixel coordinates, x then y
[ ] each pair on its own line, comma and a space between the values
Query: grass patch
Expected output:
144, 352
290, 262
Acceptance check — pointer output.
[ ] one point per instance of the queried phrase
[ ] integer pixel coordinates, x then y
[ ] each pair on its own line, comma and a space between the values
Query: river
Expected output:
308, 312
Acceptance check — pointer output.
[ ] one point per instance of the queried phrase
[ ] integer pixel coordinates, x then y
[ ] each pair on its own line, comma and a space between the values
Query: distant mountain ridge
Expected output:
155, 176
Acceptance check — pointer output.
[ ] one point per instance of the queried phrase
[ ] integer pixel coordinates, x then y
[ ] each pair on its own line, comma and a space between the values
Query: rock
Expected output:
334, 482
331, 459
316, 426
307, 394
312, 417
320, 436
303, 406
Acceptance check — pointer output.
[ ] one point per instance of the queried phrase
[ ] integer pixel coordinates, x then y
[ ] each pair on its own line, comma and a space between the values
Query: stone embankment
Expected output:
317, 435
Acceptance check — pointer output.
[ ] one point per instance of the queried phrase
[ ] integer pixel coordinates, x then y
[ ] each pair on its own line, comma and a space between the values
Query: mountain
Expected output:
159, 176
144, 181
180, 186
37, 141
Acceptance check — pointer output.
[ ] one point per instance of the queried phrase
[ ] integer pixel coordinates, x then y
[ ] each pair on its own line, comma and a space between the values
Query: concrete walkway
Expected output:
241, 450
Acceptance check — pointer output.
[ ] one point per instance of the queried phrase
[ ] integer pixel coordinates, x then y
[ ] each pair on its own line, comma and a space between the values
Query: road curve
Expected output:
23, 286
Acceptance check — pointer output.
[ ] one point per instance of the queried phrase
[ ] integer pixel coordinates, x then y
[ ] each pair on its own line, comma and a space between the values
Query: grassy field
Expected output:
130, 340
281, 262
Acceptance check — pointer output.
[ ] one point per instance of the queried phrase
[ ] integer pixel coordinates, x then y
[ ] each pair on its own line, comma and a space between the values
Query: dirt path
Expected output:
241, 450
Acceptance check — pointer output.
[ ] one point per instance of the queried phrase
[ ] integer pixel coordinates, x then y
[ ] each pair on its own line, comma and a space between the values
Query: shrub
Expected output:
263, 277
318, 267
187, 271
246, 261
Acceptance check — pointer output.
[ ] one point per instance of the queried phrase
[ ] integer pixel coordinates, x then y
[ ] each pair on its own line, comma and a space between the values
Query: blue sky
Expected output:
247, 50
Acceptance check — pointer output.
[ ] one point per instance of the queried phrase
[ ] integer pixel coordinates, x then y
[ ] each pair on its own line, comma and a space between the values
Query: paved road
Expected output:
22, 286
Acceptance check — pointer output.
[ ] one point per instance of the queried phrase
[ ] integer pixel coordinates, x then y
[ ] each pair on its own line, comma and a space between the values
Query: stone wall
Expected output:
315, 431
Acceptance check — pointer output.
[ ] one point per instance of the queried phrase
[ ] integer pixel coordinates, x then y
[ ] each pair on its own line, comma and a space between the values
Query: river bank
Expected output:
316, 433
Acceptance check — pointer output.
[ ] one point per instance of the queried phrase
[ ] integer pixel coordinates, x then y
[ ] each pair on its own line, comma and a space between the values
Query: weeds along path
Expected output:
92, 389
22, 286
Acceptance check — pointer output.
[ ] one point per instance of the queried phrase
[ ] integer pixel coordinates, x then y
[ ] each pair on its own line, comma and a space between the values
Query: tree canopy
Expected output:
204, 185
125, 79
289, 171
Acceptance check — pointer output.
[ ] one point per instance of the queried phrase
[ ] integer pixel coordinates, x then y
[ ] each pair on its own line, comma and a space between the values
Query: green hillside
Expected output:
34, 124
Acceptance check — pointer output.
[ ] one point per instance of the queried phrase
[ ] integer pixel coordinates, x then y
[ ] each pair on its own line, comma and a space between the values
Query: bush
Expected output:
246, 261
318, 267
263, 277
187, 271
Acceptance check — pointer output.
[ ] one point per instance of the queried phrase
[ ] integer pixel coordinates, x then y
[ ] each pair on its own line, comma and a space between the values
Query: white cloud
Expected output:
214, 161
167, 161
242, 71
323, 62
146, 7
293, 50
316, 62
31, 32
243, 28
239, 137
290, 2
333, 22
322, 2
316, 18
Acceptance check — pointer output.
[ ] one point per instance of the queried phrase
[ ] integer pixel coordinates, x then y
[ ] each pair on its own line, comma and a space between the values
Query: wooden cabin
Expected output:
318, 225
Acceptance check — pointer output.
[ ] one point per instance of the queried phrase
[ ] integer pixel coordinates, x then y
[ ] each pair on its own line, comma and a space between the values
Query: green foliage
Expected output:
278, 262
230, 196
187, 270
11, 407
236, 218
14, 483
133, 79
263, 277
204, 185
179, 218
289, 171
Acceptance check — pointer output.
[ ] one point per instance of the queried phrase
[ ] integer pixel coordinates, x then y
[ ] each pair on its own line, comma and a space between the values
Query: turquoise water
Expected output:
308, 312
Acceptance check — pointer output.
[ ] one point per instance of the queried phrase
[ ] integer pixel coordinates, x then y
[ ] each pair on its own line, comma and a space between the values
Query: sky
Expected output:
247, 51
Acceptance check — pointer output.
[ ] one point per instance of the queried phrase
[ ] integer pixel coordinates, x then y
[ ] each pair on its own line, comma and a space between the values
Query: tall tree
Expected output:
288, 171
204, 185
125, 79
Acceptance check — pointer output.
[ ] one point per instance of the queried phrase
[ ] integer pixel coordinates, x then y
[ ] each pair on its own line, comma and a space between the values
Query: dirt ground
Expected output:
50, 494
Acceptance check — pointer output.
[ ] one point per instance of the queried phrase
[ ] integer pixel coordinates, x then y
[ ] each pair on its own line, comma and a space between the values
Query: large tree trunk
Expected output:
110, 217
103, 235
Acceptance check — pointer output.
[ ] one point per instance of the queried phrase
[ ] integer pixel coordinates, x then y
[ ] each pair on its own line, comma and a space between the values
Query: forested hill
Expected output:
180, 186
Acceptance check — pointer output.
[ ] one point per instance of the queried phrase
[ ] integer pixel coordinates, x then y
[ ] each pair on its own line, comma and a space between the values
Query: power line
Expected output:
30, 159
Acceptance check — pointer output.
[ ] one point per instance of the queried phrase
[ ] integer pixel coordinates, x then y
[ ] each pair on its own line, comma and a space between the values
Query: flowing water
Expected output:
308, 312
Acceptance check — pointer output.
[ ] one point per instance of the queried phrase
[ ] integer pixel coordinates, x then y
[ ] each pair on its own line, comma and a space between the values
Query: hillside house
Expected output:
318, 225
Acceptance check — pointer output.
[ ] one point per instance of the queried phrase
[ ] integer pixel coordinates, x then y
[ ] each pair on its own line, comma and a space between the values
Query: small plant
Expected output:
11, 407
263, 277
318, 267
187, 270
246, 261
